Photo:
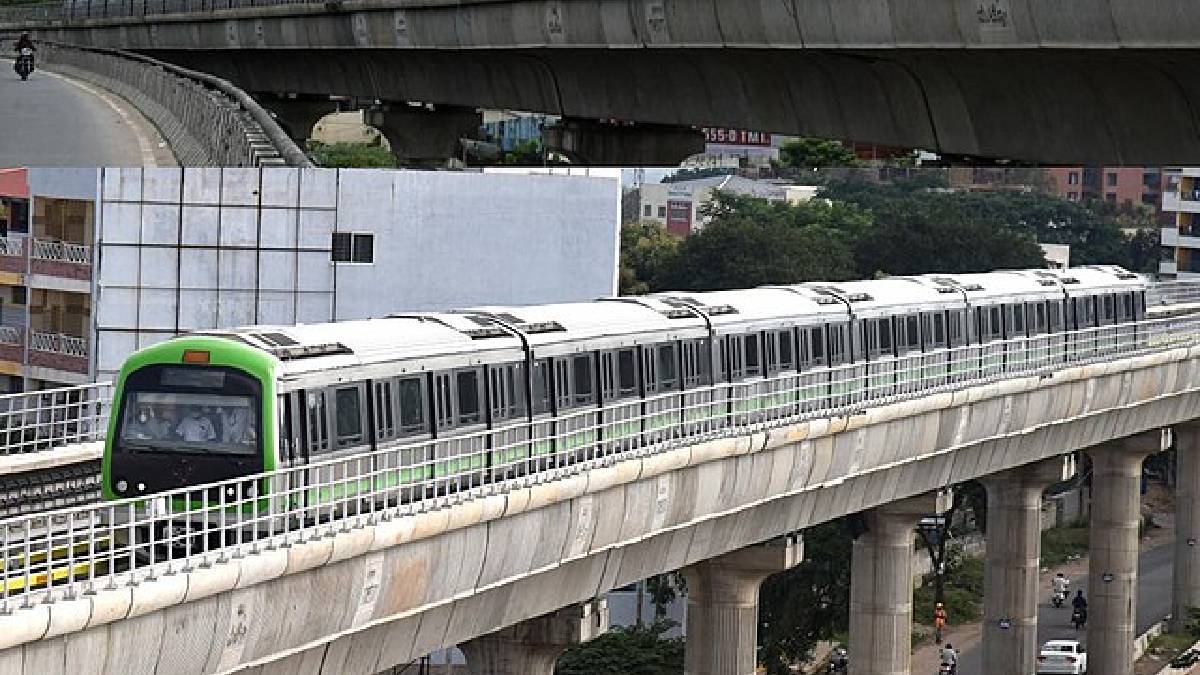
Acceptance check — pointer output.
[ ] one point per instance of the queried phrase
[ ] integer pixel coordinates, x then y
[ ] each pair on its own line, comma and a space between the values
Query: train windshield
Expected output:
190, 409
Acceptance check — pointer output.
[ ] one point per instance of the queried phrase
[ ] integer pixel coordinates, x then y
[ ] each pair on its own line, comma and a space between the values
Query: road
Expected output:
52, 121
1154, 602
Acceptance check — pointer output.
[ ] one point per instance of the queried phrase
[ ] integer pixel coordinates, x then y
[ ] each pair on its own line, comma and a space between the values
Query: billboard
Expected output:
723, 136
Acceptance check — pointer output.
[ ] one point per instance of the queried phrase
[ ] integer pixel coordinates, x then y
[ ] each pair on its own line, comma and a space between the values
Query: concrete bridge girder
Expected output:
446, 576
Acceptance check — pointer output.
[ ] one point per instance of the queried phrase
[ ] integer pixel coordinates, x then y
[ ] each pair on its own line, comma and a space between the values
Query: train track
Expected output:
48, 489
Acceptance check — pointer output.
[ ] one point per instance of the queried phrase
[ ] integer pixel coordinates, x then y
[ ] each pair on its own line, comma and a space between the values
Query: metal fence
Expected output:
63, 553
50, 419
62, 251
206, 120
58, 343
1173, 293
73, 11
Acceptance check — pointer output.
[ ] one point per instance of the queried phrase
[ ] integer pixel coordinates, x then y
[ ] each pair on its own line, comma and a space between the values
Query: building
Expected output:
112, 260
1181, 237
1116, 185
677, 205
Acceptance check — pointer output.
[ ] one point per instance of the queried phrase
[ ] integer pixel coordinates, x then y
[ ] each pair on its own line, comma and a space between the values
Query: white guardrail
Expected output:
63, 553
44, 420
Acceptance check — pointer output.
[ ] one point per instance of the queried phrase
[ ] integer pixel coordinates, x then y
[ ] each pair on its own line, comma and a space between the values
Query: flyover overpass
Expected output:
1044, 82
332, 583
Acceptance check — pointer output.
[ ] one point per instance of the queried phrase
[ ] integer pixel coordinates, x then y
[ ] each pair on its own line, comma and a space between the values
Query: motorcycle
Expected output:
1079, 618
1058, 599
839, 664
946, 669
24, 64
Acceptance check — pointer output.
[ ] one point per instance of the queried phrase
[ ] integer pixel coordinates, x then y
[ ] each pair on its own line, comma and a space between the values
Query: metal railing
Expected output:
206, 120
81, 10
62, 251
64, 553
58, 343
10, 335
45, 420
1173, 293
12, 246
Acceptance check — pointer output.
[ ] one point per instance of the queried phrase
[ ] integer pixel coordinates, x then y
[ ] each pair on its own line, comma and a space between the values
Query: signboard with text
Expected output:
723, 136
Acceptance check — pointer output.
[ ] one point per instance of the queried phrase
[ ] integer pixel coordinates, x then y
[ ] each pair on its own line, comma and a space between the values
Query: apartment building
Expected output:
107, 261
1181, 233
1115, 184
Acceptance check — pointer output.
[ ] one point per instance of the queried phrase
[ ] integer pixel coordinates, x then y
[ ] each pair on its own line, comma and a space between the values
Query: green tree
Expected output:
625, 651
351, 155
700, 172
750, 241
526, 153
807, 603
815, 153
647, 250
663, 590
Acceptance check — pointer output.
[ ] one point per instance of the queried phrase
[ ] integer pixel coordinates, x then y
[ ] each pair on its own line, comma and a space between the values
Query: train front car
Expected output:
189, 411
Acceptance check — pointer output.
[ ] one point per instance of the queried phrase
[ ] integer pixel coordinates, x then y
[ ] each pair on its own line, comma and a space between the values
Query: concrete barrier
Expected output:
206, 120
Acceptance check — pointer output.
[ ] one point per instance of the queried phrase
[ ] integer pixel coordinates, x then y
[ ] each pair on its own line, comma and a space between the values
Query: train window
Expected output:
467, 388
697, 364
627, 373
562, 384
443, 391
1124, 307
753, 355
411, 395
385, 420
1108, 310
1054, 312
816, 340
837, 344
1037, 318
287, 441
540, 375
787, 353
1139, 305
878, 337
667, 368
1017, 320
957, 332
938, 330
507, 392
318, 429
349, 416
583, 380
912, 332
731, 358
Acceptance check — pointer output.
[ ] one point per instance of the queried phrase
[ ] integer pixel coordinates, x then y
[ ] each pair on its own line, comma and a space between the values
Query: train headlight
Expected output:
250, 491
122, 485
230, 492
141, 487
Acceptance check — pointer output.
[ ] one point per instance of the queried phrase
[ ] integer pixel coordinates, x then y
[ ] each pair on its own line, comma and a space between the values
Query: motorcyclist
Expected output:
1079, 604
24, 42
1060, 583
939, 622
950, 658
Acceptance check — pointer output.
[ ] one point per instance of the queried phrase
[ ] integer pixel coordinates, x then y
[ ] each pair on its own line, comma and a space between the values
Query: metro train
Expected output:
217, 405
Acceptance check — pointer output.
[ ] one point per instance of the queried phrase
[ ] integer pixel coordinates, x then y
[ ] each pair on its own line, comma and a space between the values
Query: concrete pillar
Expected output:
298, 115
1010, 581
722, 611
424, 136
881, 586
1186, 582
1113, 563
531, 647
592, 142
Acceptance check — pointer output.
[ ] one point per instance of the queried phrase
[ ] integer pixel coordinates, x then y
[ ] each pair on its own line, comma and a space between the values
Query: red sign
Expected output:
725, 136
679, 217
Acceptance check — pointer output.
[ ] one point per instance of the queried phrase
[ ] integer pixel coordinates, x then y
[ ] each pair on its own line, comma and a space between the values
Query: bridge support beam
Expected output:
424, 137
1186, 582
590, 142
1010, 580
1113, 555
722, 612
881, 585
531, 647
297, 115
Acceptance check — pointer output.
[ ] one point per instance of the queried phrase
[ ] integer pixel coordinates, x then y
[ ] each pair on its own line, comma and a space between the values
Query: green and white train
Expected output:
206, 407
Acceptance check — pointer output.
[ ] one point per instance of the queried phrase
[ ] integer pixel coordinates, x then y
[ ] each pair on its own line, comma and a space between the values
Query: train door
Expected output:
699, 413
660, 378
460, 453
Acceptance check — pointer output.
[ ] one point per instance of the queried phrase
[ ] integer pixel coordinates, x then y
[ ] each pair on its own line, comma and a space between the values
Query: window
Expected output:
541, 386
648, 211
697, 364
627, 380
1110, 197
353, 247
467, 384
412, 406
668, 371
939, 330
507, 391
583, 379
1073, 178
1111, 179
385, 420
1073, 196
318, 431
787, 359
662, 212
349, 425
753, 360
1016, 320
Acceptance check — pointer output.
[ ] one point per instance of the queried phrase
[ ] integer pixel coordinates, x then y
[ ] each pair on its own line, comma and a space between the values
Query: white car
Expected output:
1062, 656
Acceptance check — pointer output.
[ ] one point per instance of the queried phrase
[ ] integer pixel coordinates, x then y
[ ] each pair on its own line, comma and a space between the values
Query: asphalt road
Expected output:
51, 121
1153, 598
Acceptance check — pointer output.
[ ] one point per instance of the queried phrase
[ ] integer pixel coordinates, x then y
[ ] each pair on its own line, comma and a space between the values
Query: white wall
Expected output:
187, 249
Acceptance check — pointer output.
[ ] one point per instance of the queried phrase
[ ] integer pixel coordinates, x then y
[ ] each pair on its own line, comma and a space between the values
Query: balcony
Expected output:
12, 345
12, 254
61, 259
59, 352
